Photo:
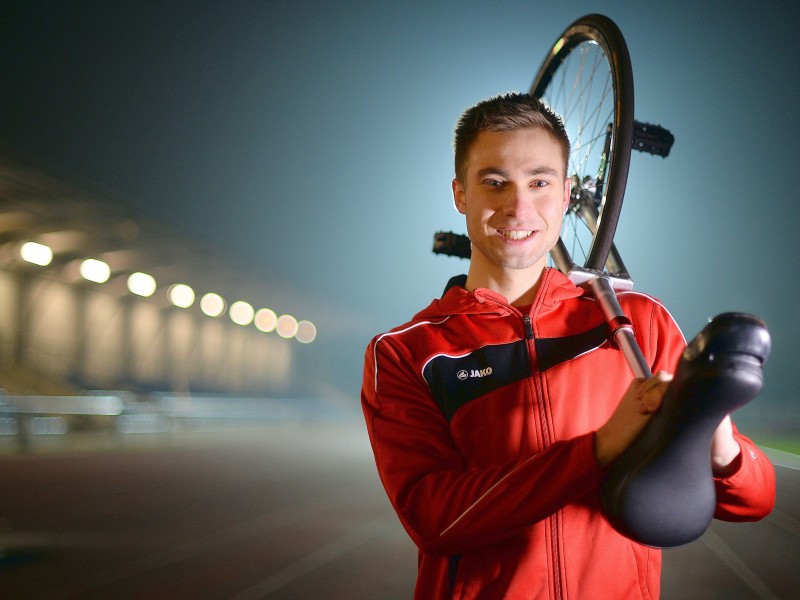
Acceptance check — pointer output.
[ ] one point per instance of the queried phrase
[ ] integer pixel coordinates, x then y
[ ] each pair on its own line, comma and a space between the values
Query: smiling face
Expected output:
514, 193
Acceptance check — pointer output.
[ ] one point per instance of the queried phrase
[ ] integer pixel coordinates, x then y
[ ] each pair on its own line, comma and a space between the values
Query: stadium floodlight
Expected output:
142, 284
95, 270
266, 319
306, 332
286, 326
212, 304
181, 295
241, 312
36, 253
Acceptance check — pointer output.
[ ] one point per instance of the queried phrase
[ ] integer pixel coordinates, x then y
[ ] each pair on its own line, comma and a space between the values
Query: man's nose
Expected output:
516, 204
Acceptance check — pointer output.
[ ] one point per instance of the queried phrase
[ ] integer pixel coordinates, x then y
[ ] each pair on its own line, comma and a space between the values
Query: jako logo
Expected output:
463, 374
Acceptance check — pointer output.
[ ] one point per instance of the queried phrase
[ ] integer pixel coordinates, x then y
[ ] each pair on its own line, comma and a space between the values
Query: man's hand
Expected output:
640, 402
724, 450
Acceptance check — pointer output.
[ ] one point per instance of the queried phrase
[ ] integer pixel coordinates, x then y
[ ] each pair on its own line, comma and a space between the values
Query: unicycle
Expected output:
660, 491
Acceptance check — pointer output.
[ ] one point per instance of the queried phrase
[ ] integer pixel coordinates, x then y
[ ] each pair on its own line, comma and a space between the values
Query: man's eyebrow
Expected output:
543, 170
491, 171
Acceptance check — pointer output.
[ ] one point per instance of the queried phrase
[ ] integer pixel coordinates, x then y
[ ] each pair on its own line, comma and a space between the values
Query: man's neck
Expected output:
518, 286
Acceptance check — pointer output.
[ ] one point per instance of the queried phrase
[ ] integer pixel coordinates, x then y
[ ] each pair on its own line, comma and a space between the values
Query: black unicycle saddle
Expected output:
660, 491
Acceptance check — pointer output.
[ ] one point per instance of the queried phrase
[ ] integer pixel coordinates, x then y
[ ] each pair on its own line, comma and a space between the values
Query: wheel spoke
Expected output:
583, 96
578, 81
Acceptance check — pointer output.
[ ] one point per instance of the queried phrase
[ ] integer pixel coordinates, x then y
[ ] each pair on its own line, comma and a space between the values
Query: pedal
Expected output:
653, 139
452, 244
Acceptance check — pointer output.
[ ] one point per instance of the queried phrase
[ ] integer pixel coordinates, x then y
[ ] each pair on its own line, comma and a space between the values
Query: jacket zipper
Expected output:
553, 519
528, 327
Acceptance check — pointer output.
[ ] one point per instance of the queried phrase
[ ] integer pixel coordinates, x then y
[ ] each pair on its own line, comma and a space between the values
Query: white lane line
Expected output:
286, 516
35, 540
318, 558
784, 521
737, 566
783, 459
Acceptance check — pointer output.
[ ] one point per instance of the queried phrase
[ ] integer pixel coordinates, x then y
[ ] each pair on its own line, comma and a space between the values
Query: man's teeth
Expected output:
517, 235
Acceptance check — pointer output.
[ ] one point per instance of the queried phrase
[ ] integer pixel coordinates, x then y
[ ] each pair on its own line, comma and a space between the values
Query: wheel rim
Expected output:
588, 81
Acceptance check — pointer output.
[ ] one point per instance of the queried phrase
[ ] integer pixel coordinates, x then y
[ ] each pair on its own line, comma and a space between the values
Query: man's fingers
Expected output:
656, 380
651, 391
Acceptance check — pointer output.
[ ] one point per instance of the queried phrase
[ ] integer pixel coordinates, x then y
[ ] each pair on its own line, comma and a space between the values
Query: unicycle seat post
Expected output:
621, 328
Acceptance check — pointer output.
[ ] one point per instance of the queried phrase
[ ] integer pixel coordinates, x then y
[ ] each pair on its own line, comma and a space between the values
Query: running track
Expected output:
292, 511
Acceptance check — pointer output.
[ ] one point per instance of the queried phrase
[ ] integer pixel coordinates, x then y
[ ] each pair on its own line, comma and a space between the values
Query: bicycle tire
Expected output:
599, 178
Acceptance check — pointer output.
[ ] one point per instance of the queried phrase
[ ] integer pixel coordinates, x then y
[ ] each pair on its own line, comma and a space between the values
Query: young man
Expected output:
494, 411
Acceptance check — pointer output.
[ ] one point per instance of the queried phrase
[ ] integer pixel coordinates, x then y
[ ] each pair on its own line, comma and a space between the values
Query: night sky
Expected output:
314, 139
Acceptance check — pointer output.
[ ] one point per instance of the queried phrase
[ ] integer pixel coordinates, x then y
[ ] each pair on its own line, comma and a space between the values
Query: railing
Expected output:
27, 418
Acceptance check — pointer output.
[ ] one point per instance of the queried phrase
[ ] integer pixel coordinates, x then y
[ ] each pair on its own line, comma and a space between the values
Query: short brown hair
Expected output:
506, 112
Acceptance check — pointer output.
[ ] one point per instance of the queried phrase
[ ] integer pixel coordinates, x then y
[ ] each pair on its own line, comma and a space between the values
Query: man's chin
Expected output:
505, 260
519, 265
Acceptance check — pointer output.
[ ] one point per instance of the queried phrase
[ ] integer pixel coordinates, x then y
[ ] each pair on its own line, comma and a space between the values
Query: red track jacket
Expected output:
482, 423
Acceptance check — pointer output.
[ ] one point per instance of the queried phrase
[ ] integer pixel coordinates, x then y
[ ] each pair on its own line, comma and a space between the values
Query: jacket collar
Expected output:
555, 287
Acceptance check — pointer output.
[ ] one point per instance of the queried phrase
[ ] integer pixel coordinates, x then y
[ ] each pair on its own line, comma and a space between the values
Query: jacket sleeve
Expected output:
749, 493
446, 507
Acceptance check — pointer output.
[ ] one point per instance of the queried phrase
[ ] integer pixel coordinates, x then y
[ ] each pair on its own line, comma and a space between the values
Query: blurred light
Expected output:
266, 320
212, 304
95, 270
35, 253
142, 284
48, 426
306, 332
286, 326
181, 295
241, 313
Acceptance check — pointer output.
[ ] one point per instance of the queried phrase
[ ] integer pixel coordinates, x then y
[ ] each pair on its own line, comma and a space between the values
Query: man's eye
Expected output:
492, 182
539, 183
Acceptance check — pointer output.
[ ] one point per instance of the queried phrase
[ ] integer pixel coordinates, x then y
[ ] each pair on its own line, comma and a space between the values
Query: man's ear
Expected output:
567, 190
458, 197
